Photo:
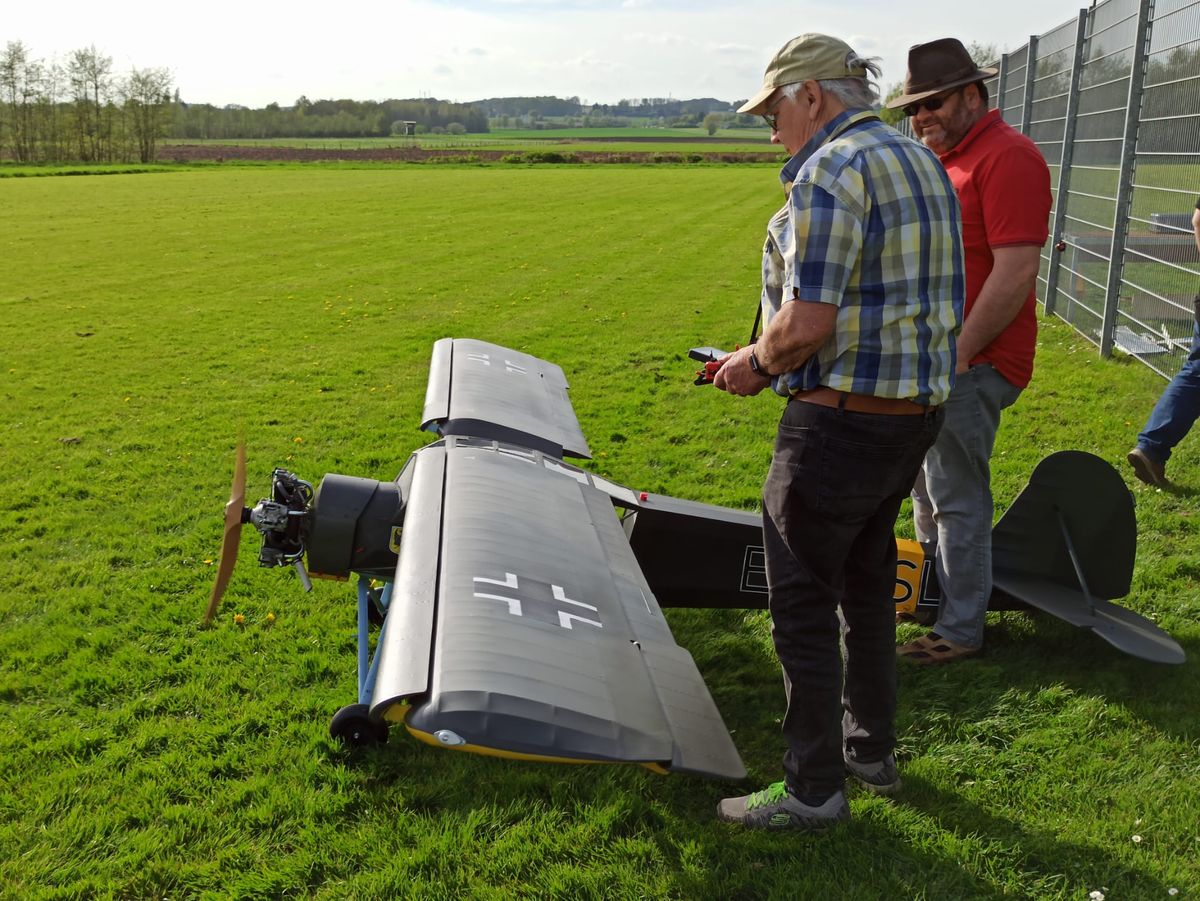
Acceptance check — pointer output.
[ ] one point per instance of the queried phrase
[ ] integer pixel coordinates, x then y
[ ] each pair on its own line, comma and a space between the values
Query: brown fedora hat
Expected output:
935, 67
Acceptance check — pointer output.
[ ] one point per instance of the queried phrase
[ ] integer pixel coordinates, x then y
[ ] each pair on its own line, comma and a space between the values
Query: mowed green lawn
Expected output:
147, 320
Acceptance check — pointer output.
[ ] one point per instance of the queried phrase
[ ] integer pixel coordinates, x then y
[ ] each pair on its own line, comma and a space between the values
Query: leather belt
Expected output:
862, 403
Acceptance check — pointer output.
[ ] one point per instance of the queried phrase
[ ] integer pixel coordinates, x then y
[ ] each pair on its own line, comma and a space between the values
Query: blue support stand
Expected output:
367, 667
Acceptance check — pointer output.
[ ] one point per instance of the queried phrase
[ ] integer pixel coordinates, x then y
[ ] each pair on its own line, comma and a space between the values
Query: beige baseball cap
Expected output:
809, 56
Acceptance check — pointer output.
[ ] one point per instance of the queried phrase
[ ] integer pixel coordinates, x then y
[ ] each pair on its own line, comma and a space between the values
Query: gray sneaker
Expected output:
879, 777
776, 808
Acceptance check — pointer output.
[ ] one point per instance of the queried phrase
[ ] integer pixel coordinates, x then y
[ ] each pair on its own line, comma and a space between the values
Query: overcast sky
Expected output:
254, 52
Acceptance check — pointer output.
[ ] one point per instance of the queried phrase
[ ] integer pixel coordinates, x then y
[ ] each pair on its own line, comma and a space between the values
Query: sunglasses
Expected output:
933, 104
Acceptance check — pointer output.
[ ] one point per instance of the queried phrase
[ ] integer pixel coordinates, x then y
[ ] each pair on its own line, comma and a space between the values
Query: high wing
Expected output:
522, 626
522, 615
487, 391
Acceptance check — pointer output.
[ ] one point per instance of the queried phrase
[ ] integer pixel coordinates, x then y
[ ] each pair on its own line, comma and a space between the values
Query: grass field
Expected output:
759, 133
601, 140
146, 320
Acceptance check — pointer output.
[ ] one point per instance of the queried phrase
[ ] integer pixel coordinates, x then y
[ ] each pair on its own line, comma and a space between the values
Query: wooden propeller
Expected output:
233, 533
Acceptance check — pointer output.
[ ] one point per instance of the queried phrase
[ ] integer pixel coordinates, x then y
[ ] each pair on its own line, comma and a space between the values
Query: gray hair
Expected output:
854, 93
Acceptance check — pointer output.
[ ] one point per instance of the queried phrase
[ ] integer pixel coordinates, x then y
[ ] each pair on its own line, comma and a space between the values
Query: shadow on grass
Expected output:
1181, 490
1032, 852
1033, 651
931, 841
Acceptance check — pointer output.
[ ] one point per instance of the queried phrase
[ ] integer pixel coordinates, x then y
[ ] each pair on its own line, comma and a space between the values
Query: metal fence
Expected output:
1112, 99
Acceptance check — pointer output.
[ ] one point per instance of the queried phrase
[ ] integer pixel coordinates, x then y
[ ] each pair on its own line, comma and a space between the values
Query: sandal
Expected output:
934, 649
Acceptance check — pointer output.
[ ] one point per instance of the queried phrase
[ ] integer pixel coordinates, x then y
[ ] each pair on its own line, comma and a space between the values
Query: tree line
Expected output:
81, 110
84, 110
325, 119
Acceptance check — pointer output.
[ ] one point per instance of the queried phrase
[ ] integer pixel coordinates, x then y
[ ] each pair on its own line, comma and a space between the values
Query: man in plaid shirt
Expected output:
863, 292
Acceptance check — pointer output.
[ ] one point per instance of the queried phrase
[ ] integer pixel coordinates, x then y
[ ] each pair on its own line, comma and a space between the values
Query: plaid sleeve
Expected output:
828, 242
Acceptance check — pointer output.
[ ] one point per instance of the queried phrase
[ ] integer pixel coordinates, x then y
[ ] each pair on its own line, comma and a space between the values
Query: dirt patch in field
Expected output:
189, 153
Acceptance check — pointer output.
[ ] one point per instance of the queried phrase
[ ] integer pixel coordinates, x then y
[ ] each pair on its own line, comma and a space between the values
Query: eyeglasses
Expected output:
772, 119
933, 104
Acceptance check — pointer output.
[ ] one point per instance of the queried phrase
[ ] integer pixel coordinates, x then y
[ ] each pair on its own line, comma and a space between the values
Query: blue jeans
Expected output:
1178, 407
952, 501
835, 486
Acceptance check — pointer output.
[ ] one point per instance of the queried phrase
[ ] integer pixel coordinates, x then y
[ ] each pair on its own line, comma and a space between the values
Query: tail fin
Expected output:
1073, 499
1067, 546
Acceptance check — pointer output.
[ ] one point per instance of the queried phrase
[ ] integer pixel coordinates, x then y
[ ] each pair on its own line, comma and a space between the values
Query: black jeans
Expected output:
835, 486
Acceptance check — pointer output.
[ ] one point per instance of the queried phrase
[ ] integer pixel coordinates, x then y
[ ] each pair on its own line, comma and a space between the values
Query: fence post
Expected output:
1064, 168
1133, 107
1030, 72
1002, 83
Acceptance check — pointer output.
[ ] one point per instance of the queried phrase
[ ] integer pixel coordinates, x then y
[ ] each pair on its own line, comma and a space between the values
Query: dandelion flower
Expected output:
239, 619
298, 440
270, 618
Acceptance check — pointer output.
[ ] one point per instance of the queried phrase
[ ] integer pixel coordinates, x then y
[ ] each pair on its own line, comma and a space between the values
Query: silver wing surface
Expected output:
488, 391
522, 626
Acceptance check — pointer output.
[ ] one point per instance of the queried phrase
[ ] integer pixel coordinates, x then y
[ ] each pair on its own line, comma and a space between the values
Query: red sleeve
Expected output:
1015, 192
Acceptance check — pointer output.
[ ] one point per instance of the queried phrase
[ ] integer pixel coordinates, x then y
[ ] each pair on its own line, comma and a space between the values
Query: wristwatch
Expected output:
758, 368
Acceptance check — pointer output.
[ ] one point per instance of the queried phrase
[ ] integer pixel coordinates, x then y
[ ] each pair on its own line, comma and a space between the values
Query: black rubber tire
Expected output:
354, 726
375, 613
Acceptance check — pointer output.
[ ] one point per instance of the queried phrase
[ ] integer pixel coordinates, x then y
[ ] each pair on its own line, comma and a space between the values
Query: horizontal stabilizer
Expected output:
486, 391
1067, 546
548, 642
1122, 628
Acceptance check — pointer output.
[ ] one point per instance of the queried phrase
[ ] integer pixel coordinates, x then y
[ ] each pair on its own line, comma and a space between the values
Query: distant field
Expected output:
747, 135
638, 140
146, 320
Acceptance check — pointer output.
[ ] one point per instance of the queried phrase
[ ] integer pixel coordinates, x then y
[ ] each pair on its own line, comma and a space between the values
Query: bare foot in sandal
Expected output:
933, 649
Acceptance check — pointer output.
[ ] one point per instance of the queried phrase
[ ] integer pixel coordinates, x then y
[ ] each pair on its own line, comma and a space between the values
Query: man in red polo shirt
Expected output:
1003, 185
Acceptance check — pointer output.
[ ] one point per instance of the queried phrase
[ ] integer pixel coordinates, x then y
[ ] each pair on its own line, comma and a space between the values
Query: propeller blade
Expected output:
233, 533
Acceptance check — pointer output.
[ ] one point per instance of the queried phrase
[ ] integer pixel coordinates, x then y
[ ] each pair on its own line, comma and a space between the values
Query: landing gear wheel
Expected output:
355, 727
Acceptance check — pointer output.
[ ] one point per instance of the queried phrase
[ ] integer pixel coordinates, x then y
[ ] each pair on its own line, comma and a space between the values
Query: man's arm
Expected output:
1014, 272
794, 335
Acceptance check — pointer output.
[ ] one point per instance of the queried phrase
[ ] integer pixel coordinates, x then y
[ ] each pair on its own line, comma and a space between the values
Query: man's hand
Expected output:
737, 377
1004, 292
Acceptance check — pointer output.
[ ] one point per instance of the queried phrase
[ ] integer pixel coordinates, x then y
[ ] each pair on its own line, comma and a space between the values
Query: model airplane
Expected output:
520, 597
